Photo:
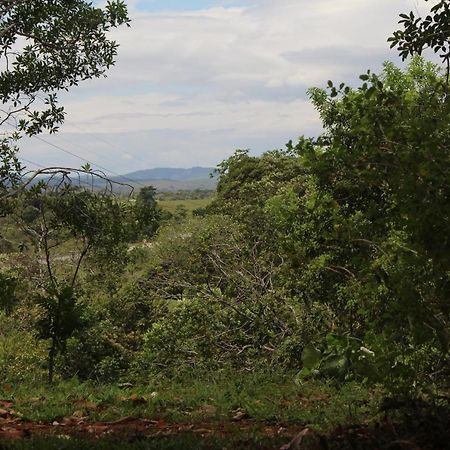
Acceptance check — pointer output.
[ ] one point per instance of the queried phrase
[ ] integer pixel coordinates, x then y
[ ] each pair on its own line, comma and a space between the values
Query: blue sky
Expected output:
197, 79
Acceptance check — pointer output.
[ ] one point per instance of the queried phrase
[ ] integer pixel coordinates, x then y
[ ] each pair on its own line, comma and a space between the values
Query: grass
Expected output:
189, 204
274, 399
238, 411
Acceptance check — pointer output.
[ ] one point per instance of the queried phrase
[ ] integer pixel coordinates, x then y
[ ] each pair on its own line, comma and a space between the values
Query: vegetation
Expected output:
312, 285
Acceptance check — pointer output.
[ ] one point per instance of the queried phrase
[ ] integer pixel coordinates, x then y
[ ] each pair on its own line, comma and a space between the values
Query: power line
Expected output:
101, 139
32, 162
58, 147
86, 183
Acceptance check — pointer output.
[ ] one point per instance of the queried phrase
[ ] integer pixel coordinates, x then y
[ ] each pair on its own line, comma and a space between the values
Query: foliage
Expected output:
387, 157
147, 215
8, 286
216, 304
47, 46
94, 224
419, 33
246, 182
340, 226
329, 258
21, 355
61, 317
10, 170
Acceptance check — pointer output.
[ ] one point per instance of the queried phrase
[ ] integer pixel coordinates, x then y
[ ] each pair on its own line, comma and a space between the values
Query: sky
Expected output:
197, 79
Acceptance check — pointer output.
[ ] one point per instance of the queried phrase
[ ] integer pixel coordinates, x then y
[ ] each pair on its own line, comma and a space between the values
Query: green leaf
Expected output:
334, 366
311, 357
303, 375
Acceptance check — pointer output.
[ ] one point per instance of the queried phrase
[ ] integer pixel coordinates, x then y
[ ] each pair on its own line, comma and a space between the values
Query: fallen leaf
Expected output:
6, 404
161, 424
98, 429
72, 420
84, 404
209, 410
240, 414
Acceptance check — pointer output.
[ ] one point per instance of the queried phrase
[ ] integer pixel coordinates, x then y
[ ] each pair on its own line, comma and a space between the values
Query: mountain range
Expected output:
171, 179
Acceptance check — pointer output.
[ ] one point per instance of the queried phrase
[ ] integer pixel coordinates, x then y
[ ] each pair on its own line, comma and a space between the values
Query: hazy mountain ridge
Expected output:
163, 179
169, 174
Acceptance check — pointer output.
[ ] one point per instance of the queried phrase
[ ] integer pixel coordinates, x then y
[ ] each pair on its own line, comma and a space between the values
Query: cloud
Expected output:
191, 86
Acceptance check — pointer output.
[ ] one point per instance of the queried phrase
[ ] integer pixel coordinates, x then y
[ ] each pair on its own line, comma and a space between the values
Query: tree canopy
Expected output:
46, 47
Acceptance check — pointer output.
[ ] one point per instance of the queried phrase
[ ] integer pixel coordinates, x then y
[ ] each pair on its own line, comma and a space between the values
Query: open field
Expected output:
189, 204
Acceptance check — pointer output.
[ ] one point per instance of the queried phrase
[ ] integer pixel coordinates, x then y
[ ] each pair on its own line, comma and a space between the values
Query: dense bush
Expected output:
330, 257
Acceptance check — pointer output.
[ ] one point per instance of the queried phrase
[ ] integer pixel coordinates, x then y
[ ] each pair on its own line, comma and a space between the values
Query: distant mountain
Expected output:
171, 179
163, 179
172, 174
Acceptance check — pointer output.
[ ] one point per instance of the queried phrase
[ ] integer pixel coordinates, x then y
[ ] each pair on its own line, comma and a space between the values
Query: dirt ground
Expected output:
417, 429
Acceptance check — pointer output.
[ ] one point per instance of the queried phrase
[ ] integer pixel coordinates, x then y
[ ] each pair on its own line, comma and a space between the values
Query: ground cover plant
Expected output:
306, 302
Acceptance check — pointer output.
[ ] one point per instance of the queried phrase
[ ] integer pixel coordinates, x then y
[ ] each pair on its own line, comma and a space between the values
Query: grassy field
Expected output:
216, 412
260, 397
189, 204
238, 411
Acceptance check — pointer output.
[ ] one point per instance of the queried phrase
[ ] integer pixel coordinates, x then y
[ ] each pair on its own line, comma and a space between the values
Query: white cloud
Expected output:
189, 87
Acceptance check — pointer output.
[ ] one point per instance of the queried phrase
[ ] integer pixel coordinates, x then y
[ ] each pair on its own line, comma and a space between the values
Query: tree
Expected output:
91, 224
45, 47
146, 212
246, 182
431, 32
368, 232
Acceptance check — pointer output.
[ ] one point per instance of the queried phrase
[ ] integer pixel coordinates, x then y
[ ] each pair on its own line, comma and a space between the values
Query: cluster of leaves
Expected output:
147, 215
431, 32
93, 226
65, 43
361, 226
45, 47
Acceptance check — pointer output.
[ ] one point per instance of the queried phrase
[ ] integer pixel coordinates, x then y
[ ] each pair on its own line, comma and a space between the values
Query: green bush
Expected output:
22, 356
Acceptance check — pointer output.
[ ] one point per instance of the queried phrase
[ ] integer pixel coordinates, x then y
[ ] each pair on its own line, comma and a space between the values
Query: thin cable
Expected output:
58, 147
102, 140
62, 149
86, 183
31, 162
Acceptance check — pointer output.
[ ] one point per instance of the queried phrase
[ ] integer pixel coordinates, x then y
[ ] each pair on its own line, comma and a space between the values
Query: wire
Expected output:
58, 147
86, 183
102, 139
32, 162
